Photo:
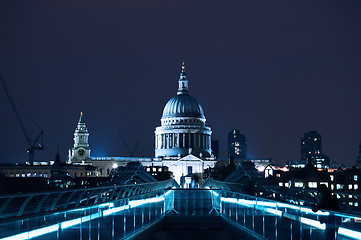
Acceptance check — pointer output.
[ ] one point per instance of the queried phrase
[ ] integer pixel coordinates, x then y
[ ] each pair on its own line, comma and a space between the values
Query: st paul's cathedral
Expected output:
182, 142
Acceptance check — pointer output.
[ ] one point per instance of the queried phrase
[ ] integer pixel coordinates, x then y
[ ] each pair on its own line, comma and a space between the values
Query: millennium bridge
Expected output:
162, 210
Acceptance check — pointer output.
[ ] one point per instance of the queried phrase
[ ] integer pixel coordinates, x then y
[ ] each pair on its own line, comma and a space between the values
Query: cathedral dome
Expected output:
183, 130
183, 105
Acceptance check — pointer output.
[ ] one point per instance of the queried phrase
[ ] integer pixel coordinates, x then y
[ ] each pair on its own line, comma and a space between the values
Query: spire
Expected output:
183, 82
81, 117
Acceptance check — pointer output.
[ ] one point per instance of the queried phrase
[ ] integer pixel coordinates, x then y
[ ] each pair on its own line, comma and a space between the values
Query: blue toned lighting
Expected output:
286, 205
136, 203
168, 192
313, 223
107, 205
319, 212
42, 231
274, 211
115, 210
349, 233
153, 200
267, 204
245, 202
17, 236
34, 233
70, 223
230, 200
214, 193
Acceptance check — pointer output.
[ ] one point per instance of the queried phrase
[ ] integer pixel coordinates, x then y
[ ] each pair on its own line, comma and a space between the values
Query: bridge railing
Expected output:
119, 218
270, 219
112, 220
17, 206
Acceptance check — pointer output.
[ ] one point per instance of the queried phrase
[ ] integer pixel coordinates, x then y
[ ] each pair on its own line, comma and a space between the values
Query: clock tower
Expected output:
81, 150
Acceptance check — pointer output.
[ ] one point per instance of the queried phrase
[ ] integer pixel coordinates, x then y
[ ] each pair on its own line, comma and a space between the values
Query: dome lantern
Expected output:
183, 82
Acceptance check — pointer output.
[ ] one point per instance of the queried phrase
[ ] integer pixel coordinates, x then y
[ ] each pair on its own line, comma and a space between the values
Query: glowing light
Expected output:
231, 200
274, 211
115, 210
17, 236
267, 204
349, 233
284, 169
260, 168
168, 192
313, 223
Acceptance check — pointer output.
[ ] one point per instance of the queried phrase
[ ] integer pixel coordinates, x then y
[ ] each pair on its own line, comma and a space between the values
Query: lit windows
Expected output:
312, 184
339, 186
332, 177
350, 186
355, 177
355, 186
324, 183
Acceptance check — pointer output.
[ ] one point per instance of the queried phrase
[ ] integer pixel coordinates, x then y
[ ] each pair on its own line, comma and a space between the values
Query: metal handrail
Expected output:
18, 205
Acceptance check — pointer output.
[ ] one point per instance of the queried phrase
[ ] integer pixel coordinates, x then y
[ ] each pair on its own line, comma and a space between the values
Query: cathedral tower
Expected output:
183, 131
80, 150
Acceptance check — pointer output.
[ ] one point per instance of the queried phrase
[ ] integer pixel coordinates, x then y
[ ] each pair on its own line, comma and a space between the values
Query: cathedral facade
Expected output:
182, 142
183, 130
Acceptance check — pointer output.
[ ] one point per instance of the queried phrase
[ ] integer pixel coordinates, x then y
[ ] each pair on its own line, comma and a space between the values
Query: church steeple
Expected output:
80, 150
81, 134
81, 117
183, 82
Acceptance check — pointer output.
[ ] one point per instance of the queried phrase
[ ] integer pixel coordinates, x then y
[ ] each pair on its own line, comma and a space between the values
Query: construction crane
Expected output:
36, 144
131, 153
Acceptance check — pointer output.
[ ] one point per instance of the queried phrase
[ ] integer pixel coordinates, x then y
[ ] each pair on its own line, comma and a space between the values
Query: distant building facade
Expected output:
237, 144
311, 149
311, 144
342, 181
47, 169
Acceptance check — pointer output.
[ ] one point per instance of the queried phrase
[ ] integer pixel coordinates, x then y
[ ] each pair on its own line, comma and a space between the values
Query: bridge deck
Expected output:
185, 213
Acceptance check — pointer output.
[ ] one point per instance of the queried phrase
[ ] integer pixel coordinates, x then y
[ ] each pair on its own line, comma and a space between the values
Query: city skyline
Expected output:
272, 70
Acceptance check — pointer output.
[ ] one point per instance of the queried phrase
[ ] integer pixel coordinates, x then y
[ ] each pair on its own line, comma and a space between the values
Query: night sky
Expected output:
272, 69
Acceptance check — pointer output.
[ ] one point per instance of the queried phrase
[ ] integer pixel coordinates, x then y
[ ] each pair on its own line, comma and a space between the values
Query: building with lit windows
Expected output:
311, 149
311, 144
237, 144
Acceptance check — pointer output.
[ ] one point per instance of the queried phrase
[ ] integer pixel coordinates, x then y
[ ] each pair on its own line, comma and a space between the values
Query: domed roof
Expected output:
183, 106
